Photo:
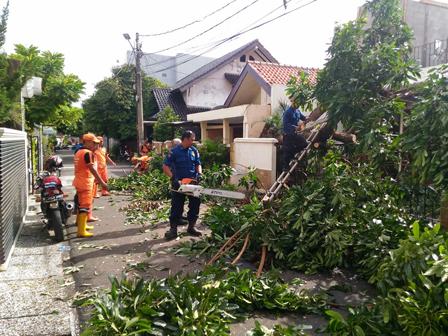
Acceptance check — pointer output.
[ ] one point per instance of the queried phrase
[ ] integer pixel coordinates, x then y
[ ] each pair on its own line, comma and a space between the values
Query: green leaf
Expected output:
416, 230
335, 315
359, 331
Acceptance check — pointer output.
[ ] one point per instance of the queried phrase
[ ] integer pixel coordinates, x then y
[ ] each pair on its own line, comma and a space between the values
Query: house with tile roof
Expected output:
257, 93
209, 86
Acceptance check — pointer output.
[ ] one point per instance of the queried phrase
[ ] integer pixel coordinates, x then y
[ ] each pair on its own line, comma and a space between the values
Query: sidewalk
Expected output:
31, 301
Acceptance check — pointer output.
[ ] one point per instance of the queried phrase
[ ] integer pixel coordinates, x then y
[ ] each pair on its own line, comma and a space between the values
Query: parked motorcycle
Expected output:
52, 203
53, 206
53, 165
126, 155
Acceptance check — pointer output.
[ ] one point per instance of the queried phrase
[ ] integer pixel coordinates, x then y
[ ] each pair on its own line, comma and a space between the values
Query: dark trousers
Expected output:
177, 206
292, 144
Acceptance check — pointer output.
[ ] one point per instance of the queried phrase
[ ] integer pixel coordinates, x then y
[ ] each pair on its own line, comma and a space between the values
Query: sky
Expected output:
89, 33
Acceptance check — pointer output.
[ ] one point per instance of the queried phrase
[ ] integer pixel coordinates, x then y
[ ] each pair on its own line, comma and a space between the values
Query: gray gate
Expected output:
13, 188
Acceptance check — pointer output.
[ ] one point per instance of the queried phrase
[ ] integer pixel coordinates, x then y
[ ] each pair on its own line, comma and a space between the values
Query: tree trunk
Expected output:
326, 132
316, 113
344, 137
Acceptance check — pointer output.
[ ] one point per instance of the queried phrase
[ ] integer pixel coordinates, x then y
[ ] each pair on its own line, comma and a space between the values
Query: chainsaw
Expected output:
191, 187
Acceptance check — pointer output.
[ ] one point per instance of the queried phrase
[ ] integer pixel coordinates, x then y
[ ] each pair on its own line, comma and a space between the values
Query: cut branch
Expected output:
242, 250
263, 258
221, 252
344, 137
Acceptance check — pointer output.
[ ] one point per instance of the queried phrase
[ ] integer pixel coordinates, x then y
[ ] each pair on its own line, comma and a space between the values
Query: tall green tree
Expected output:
164, 132
10, 83
111, 110
367, 59
59, 90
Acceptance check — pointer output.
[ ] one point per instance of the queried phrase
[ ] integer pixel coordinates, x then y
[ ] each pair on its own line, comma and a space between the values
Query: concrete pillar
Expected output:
204, 134
444, 213
225, 131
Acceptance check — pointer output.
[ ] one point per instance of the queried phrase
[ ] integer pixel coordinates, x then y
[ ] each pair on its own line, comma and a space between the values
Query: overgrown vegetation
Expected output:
203, 303
214, 152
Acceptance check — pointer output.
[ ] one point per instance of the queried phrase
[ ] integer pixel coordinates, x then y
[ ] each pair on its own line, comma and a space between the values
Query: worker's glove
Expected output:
199, 177
175, 183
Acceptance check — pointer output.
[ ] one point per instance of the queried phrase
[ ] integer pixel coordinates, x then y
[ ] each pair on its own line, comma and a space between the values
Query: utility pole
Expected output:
139, 95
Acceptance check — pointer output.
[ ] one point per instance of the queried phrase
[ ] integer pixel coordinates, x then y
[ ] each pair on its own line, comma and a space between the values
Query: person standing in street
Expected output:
145, 148
293, 141
186, 159
85, 175
102, 158
78, 146
176, 142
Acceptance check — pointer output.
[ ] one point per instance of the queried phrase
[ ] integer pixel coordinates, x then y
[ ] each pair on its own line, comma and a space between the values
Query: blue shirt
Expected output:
185, 161
291, 119
78, 147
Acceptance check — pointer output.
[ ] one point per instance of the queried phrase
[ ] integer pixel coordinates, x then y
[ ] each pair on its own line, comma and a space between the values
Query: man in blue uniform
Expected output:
293, 142
186, 159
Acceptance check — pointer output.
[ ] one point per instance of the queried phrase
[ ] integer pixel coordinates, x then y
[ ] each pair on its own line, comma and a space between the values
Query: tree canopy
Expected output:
111, 110
10, 83
164, 132
59, 90
368, 61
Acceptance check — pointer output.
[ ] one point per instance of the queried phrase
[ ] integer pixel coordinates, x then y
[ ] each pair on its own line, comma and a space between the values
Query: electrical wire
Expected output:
201, 47
189, 24
115, 75
238, 35
206, 31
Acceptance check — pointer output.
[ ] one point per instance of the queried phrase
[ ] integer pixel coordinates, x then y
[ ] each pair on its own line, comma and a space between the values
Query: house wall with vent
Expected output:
213, 89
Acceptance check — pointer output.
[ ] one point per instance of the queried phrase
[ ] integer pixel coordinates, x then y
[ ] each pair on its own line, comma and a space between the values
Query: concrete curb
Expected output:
33, 303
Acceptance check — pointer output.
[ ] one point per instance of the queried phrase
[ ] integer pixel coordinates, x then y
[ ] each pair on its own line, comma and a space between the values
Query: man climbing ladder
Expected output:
293, 141
279, 183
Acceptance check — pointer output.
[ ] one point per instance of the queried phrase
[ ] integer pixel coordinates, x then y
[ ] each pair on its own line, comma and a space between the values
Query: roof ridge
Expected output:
211, 66
283, 65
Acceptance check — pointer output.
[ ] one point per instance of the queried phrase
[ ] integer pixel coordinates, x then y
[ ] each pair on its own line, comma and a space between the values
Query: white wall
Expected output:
278, 92
259, 153
213, 89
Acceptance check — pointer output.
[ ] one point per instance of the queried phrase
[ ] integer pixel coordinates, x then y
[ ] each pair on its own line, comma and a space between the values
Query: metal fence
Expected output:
431, 54
13, 188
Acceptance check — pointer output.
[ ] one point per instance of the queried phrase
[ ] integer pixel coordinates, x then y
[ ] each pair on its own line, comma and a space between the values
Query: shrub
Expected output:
214, 152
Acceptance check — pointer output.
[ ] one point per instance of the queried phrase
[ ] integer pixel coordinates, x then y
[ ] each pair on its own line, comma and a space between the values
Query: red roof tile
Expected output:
279, 74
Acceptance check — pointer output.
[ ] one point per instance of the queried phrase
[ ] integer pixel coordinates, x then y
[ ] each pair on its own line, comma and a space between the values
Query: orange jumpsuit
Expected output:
101, 154
144, 164
84, 179
144, 149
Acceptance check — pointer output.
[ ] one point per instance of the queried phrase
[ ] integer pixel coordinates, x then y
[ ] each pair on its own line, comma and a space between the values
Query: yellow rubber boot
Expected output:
88, 227
82, 223
90, 217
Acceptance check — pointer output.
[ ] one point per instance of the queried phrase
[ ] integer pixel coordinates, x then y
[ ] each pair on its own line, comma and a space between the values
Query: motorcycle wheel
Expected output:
56, 223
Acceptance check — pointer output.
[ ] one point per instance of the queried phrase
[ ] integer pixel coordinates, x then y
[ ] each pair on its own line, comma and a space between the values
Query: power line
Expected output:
206, 31
238, 35
115, 75
200, 47
191, 23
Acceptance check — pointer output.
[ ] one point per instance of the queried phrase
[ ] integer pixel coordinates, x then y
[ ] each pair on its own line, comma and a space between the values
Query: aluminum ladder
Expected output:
279, 183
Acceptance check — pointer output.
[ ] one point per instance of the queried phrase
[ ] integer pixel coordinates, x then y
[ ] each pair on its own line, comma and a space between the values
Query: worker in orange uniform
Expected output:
145, 148
85, 175
142, 163
102, 157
